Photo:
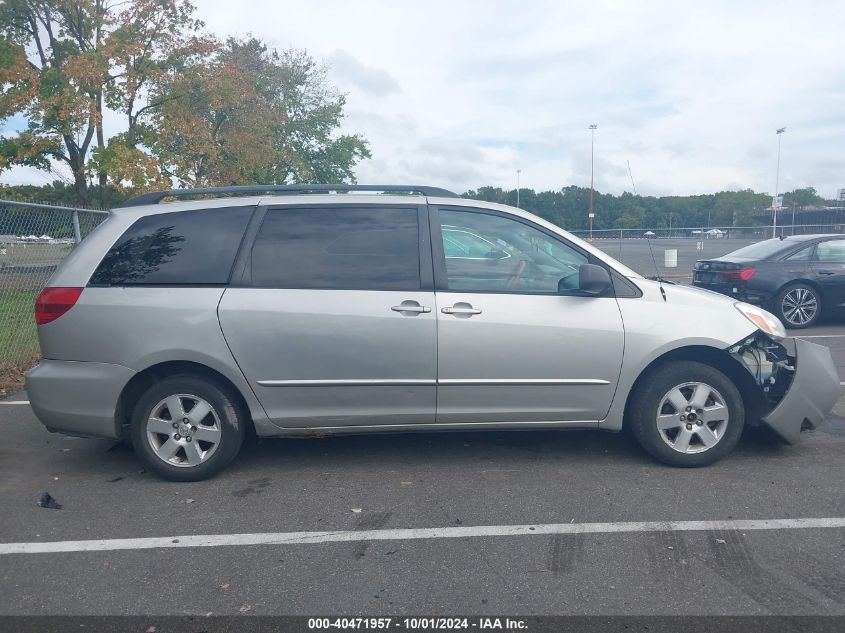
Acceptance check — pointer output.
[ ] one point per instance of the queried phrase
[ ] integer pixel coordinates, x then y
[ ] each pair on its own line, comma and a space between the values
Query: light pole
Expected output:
518, 172
593, 127
775, 205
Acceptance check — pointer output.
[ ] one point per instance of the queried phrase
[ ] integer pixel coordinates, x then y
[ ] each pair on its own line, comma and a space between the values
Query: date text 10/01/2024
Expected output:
417, 623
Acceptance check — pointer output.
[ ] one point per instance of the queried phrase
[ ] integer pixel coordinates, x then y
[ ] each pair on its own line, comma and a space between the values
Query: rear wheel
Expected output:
187, 428
798, 306
687, 414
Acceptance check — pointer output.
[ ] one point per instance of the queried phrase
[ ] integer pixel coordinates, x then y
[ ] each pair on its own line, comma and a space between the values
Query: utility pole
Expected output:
518, 172
775, 204
591, 215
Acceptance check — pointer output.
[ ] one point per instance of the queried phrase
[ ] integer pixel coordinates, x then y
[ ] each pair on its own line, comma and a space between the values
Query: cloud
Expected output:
464, 93
346, 68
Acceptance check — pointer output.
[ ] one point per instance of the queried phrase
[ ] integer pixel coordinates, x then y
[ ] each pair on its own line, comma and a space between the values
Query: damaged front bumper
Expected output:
811, 395
798, 381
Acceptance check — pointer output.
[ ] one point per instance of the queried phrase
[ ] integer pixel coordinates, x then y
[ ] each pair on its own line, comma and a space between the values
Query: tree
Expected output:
60, 60
194, 109
806, 197
252, 115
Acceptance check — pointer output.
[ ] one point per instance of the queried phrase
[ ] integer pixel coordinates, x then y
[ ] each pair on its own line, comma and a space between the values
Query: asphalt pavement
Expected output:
600, 527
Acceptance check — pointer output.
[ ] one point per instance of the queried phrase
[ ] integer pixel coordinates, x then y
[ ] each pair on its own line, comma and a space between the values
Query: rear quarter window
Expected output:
181, 248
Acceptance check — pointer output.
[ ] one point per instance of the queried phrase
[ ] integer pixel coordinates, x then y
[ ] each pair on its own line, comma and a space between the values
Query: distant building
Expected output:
813, 219
840, 195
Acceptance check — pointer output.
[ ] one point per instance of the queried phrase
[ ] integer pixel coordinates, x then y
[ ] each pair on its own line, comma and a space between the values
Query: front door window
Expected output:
491, 253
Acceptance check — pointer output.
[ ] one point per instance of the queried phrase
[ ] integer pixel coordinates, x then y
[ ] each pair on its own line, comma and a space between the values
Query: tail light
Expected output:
52, 303
738, 274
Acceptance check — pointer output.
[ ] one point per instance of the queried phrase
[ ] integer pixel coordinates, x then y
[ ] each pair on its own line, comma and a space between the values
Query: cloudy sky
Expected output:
463, 93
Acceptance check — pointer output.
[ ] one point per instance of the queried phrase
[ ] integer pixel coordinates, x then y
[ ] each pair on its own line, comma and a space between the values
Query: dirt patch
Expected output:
11, 376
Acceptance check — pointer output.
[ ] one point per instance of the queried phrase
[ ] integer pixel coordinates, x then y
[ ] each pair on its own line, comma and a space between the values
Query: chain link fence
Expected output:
34, 238
683, 246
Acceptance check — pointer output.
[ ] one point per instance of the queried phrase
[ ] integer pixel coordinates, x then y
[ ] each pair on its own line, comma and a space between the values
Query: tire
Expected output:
796, 295
200, 445
711, 434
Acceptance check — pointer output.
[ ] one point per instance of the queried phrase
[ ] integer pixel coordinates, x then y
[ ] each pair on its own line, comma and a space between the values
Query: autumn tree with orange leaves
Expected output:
193, 110
252, 115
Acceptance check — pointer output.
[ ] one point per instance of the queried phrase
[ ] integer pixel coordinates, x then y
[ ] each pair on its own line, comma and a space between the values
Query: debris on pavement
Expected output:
47, 501
356, 510
721, 541
189, 500
111, 481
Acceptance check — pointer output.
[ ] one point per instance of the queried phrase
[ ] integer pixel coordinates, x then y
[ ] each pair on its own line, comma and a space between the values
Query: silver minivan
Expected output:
190, 318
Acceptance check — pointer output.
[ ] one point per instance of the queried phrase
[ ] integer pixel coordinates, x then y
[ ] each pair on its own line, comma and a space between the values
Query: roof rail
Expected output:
154, 197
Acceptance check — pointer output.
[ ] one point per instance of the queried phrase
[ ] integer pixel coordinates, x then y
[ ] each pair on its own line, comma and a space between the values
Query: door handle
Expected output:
411, 306
461, 308
827, 272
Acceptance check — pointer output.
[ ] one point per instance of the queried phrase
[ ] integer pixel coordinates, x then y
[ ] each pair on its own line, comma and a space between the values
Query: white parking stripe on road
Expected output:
409, 534
14, 401
820, 336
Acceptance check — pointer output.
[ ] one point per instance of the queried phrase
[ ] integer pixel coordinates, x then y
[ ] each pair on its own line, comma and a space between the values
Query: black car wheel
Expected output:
798, 306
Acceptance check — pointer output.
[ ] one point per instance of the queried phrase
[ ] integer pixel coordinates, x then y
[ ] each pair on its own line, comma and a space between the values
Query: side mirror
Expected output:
593, 280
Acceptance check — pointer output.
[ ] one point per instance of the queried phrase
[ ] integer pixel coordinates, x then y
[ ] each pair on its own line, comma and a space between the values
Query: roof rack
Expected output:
154, 197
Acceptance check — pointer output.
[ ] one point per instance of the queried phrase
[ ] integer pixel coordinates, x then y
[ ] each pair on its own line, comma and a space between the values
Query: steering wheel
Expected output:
514, 280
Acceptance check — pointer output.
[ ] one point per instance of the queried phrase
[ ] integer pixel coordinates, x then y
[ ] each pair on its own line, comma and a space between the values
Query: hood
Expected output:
687, 295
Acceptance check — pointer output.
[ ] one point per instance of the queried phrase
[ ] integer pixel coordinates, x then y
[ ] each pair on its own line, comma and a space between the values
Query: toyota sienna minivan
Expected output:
190, 318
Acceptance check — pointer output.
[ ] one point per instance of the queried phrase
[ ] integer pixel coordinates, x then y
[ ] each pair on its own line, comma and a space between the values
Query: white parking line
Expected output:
408, 534
820, 336
14, 401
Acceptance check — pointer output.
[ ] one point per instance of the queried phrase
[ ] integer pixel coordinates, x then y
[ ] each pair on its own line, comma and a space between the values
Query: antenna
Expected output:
632, 177
657, 270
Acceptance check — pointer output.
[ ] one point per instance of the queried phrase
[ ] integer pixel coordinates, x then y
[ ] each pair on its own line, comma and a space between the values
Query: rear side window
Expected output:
184, 248
831, 251
338, 248
801, 256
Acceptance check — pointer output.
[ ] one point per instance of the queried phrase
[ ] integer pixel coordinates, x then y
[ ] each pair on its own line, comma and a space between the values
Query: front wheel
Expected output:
187, 428
687, 414
798, 306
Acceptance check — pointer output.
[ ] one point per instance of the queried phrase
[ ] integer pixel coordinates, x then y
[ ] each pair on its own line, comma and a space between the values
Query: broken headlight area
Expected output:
771, 364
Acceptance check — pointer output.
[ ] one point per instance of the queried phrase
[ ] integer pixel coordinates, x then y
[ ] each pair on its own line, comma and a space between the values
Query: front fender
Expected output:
655, 327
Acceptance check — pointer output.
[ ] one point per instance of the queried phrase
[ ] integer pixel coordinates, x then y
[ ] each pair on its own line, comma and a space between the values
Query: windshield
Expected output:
761, 250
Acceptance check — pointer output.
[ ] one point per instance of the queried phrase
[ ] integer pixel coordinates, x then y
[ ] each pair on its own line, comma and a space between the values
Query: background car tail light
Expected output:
740, 274
52, 303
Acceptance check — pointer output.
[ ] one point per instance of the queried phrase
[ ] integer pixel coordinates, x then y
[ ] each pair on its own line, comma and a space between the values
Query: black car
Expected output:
796, 278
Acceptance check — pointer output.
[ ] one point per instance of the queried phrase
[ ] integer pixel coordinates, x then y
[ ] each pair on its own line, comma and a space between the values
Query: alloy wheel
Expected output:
692, 417
183, 430
799, 306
